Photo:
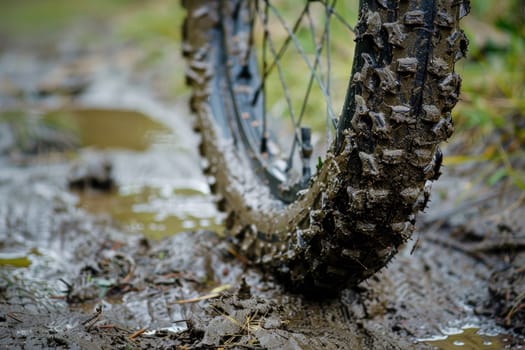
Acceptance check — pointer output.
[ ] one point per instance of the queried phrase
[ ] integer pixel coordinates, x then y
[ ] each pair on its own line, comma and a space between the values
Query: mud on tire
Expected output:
361, 205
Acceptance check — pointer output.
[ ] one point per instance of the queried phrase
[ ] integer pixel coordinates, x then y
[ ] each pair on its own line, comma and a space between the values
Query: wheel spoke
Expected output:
281, 52
301, 52
303, 41
328, 72
319, 48
340, 18
270, 44
264, 136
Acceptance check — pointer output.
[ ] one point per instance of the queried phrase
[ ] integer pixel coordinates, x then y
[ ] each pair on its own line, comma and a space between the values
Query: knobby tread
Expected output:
362, 203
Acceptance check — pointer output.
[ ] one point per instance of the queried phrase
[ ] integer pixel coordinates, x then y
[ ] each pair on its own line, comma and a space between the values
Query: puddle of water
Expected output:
14, 260
471, 339
159, 192
17, 258
169, 205
111, 129
153, 213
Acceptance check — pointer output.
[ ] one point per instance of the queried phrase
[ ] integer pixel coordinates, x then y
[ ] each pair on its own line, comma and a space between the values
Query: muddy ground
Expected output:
110, 239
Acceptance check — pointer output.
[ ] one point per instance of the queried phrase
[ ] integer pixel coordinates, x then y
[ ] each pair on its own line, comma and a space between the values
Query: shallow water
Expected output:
158, 193
471, 339
15, 259
154, 212
112, 129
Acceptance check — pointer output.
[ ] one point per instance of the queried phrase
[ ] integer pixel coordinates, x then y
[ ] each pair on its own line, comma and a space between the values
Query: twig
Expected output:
518, 302
12, 315
69, 288
131, 267
112, 326
58, 297
137, 333
197, 299
238, 256
93, 319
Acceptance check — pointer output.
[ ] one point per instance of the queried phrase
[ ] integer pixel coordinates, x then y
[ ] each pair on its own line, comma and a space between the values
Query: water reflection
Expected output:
471, 339
154, 212
161, 190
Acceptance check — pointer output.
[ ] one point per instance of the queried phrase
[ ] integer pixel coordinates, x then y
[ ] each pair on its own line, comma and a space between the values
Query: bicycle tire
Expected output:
360, 207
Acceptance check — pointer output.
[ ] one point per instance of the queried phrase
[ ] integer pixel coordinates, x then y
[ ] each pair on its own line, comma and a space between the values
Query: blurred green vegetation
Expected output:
31, 135
494, 73
147, 22
295, 72
152, 25
490, 118
30, 18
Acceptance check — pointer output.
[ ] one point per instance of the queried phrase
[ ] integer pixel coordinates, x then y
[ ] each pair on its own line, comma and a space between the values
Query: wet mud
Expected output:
109, 237
71, 278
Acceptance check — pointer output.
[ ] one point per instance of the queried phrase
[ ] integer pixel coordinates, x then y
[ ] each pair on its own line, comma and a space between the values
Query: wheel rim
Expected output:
258, 84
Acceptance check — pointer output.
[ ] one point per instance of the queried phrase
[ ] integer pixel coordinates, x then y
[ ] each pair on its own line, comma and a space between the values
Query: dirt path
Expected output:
84, 268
